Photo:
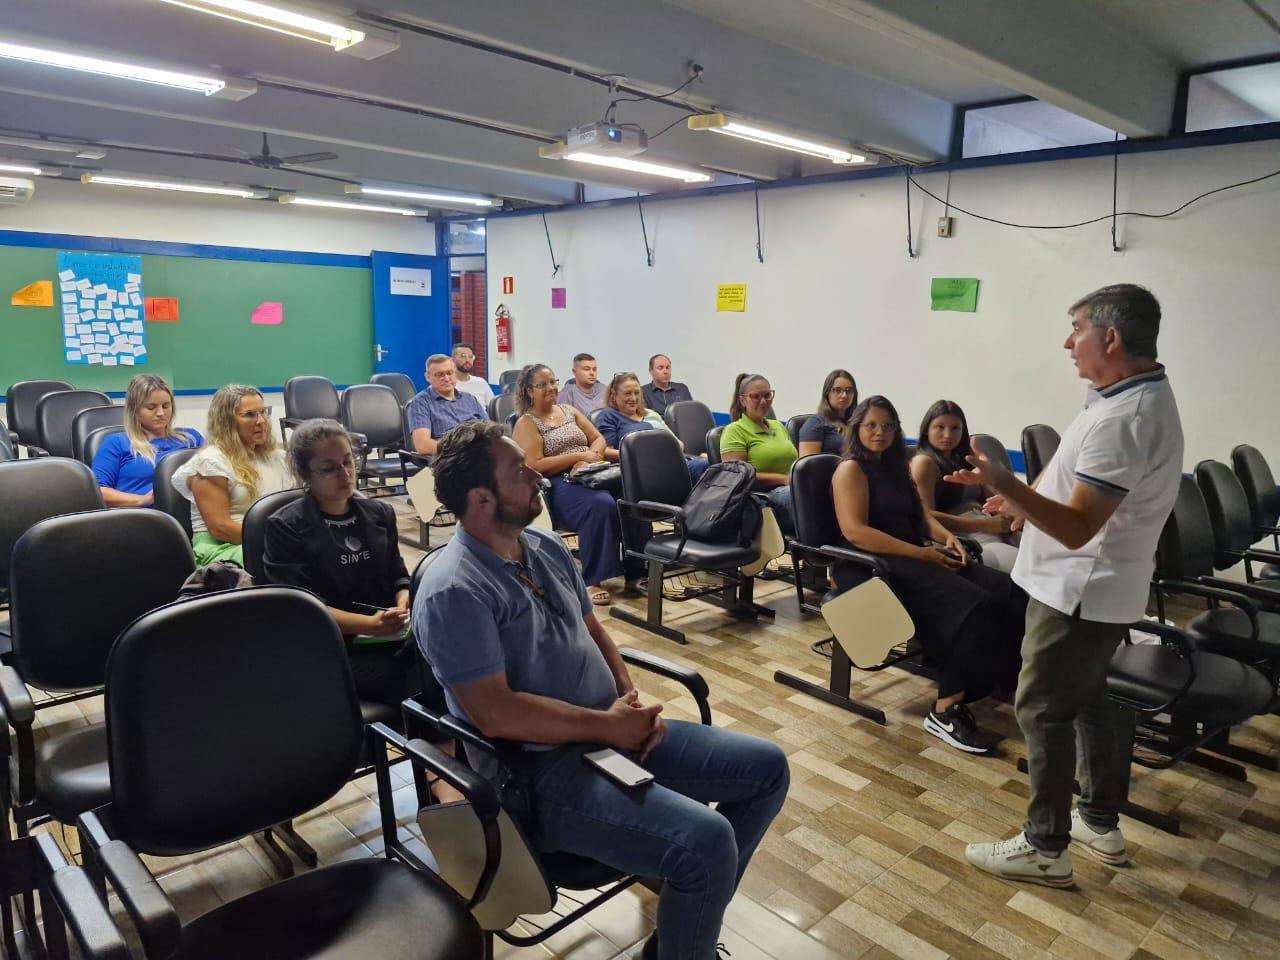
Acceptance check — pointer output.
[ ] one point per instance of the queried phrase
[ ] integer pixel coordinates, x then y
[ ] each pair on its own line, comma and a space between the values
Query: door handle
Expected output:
379, 354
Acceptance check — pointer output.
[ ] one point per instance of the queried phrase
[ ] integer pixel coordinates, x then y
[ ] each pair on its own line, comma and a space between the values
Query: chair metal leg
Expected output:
301, 849
1221, 744
1226, 768
1134, 811
280, 861
652, 621
836, 692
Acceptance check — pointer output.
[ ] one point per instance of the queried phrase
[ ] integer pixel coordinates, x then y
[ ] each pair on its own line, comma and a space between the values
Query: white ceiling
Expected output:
884, 74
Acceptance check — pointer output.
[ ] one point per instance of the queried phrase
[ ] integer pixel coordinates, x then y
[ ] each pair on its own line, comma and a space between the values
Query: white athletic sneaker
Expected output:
1016, 859
1107, 847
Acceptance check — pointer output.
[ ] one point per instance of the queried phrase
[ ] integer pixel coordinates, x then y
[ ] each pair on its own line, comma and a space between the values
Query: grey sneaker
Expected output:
1107, 847
1017, 859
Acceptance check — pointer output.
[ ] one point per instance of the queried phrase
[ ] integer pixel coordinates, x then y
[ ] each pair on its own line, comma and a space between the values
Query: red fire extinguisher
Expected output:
502, 328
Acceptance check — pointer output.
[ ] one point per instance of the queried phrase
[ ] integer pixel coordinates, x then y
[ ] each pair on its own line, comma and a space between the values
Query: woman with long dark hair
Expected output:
968, 617
828, 430
941, 448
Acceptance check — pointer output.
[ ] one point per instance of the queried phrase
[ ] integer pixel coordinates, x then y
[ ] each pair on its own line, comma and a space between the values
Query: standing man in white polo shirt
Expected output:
1092, 523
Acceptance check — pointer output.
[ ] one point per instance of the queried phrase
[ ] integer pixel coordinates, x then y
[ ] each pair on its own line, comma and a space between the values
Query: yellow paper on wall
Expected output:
731, 297
38, 294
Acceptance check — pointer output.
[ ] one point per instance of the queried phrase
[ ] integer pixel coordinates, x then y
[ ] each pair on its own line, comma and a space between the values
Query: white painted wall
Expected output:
97, 211
837, 289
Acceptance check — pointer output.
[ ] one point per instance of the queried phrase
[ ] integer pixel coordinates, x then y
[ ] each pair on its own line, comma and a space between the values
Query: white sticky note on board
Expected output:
66, 275
130, 286
131, 314
84, 284
87, 315
99, 289
71, 310
88, 304
117, 314
113, 329
101, 338
139, 351
99, 326
127, 361
84, 328
67, 285
109, 361
95, 358
134, 277
109, 296
68, 329
73, 356
135, 299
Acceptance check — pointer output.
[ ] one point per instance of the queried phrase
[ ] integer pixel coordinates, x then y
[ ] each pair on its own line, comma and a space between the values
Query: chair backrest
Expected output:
93, 443
253, 530
711, 443
653, 468
1229, 513
372, 409
992, 449
54, 413
512, 417
20, 405
794, 425
6, 446
690, 420
1259, 484
595, 415
507, 380
502, 406
308, 397
811, 501
400, 383
1039, 444
167, 498
1186, 547
79, 579
203, 747
87, 421
33, 490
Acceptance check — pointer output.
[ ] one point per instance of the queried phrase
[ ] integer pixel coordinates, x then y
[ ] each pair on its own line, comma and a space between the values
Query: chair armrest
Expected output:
1183, 647
91, 925
422, 459
361, 440
1264, 556
478, 791
35, 452
18, 710
973, 546
687, 677
652, 510
1213, 591
15, 698
1251, 591
868, 561
457, 728
148, 906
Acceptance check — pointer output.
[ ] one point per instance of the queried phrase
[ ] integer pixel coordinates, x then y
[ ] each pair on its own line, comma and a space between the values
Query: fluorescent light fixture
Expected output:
177, 186
731, 127
427, 196
347, 36
79, 151
24, 168
654, 168
14, 48
348, 205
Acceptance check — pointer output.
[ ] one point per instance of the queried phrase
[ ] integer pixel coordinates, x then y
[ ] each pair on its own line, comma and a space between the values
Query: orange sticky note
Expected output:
268, 314
161, 309
38, 294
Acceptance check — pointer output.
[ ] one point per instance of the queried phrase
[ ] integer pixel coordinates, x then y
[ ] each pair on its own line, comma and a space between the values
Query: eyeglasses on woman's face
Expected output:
879, 426
761, 397
842, 391
545, 384
262, 413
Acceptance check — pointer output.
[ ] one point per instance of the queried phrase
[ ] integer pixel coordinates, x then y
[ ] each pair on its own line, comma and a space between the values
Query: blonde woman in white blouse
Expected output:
241, 462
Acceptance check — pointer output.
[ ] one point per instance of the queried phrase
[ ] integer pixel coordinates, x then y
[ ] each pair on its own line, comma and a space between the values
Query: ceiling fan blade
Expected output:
309, 157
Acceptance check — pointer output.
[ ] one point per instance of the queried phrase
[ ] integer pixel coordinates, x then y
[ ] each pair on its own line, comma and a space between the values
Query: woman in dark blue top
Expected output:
827, 431
625, 413
126, 462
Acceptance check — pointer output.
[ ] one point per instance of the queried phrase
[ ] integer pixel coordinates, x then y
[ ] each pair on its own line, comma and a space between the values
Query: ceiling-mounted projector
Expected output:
15, 190
606, 140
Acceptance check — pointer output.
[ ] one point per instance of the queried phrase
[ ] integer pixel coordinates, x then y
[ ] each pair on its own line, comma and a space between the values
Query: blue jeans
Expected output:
666, 830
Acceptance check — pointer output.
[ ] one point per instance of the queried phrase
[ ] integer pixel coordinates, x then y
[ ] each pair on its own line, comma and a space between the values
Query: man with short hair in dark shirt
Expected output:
662, 391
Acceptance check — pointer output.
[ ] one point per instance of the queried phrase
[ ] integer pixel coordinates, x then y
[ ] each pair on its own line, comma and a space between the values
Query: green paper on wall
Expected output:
954, 293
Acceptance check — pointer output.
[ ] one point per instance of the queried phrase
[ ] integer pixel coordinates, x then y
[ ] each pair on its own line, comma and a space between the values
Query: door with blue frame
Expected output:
411, 317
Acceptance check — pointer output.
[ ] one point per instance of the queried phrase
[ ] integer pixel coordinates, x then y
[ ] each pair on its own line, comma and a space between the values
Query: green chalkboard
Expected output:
327, 328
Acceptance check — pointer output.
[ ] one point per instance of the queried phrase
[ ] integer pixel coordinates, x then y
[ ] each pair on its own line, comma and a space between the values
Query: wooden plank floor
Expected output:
866, 859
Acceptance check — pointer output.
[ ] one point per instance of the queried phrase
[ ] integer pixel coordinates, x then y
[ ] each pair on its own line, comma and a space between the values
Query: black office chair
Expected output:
992, 449
711, 443
306, 398
510, 878
30, 491
1233, 530
1039, 444
507, 380
20, 407
690, 420
1260, 489
372, 412
655, 485
8, 450
594, 415
400, 383
61, 641
167, 498
502, 406
204, 750
94, 441
794, 425
512, 417
54, 413
87, 421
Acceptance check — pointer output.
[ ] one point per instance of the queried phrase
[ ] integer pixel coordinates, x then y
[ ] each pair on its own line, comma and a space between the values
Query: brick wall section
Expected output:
470, 318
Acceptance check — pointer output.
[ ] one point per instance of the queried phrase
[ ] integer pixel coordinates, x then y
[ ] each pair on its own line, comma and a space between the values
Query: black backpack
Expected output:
721, 508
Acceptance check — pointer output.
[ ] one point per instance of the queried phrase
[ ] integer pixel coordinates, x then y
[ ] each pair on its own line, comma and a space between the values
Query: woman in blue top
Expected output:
126, 462
626, 413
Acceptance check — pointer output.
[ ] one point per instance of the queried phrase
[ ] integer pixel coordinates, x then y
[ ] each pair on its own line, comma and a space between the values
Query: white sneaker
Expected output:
1107, 847
1017, 859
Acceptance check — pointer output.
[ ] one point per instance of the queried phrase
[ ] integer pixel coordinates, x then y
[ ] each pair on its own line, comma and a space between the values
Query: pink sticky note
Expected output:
557, 298
268, 314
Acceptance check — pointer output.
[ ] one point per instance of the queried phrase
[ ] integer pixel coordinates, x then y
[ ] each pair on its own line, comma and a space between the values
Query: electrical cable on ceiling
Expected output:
673, 123
695, 73
1084, 223
1115, 187
648, 250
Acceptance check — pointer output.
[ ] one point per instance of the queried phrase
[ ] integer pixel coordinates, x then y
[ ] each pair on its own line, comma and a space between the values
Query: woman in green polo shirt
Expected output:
764, 443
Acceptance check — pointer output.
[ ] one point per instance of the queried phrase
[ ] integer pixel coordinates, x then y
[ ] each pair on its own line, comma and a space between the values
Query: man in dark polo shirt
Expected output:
662, 391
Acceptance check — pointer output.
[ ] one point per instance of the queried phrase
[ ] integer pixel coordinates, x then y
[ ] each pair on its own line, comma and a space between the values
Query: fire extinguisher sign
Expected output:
502, 328
508, 285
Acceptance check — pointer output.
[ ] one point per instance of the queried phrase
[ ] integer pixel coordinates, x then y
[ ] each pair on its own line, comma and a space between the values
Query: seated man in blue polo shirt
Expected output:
505, 622
441, 407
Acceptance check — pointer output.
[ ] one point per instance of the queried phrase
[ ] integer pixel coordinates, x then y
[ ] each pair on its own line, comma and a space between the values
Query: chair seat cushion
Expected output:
384, 467
1226, 631
349, 911
71, 772
374, 712
1269, 571
1225, 691
713, 556
572, 872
